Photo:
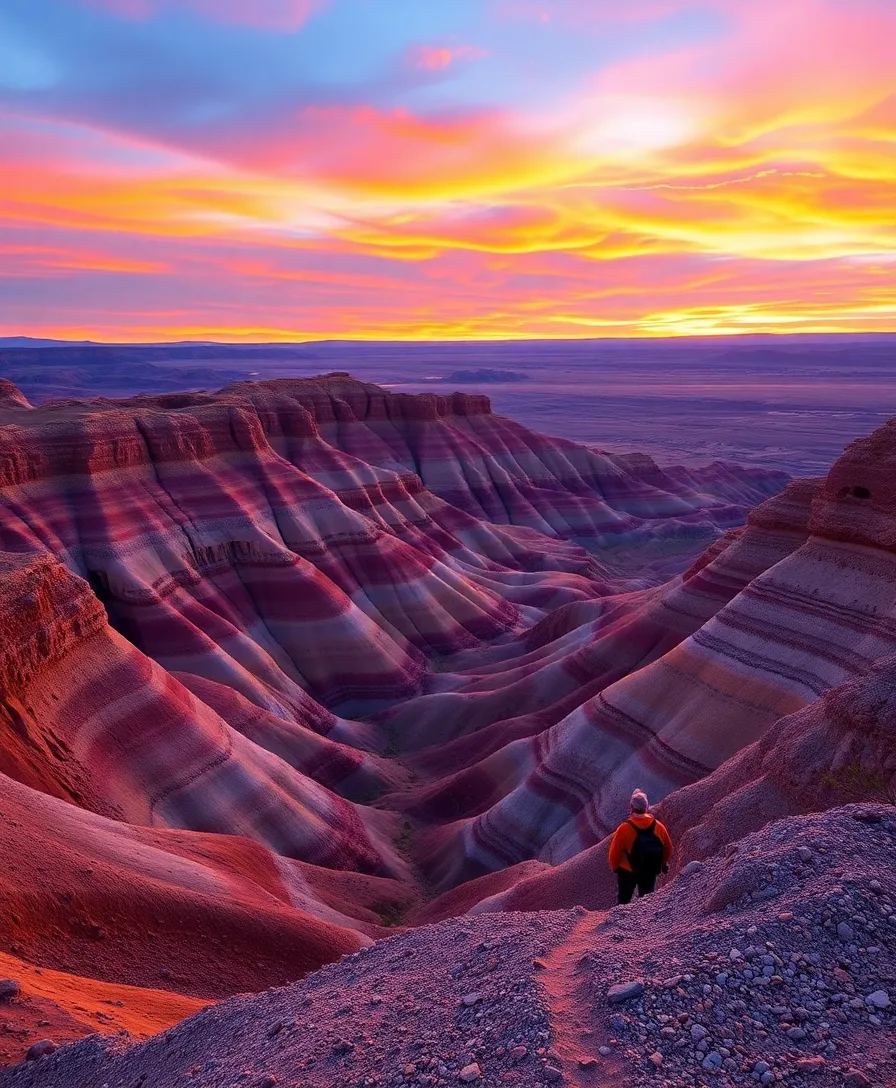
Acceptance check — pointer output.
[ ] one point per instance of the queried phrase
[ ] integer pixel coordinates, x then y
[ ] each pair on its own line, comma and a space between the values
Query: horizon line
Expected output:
707, 336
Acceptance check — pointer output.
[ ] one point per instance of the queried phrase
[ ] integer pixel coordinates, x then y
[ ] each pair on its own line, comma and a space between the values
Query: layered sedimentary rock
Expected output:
329, 657
89, 718
836, 751
818, 616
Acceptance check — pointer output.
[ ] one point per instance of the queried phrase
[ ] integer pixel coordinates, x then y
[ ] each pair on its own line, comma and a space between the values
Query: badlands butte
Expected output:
319, 703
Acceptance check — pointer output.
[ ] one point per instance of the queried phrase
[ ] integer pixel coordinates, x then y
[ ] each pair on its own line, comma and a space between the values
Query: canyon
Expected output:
306, 683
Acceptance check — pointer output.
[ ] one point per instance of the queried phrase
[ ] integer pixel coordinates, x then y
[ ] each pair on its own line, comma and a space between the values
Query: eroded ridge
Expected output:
291, 663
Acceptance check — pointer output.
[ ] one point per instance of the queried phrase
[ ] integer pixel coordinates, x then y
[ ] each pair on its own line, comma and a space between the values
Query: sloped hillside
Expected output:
788, 980
290, 664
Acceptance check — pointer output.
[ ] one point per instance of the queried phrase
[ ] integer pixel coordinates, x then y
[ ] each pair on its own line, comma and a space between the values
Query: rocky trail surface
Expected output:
296, 666
792, 983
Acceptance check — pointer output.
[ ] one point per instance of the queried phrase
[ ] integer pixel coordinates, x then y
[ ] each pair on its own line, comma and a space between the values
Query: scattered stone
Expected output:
810, 1065
9, 989
758, 982
625, 991
40, 1050
713, 1060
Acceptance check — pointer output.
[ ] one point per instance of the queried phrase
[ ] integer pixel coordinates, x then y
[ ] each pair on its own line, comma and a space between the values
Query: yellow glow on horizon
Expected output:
736, 185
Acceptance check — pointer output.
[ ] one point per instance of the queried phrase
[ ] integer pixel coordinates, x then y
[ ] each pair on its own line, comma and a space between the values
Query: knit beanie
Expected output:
639, 802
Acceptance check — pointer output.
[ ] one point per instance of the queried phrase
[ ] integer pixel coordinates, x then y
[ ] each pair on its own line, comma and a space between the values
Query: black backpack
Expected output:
646, 854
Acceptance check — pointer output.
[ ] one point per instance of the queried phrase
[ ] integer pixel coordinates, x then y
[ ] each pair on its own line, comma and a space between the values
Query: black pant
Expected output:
629, 881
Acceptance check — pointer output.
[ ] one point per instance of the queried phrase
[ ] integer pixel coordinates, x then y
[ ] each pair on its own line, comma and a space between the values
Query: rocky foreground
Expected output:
289, 668
773, 963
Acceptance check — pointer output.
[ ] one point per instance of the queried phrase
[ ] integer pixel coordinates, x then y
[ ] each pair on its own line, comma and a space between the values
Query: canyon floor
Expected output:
333, 695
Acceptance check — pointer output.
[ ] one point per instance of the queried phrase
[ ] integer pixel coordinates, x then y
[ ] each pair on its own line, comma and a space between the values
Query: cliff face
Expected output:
338, 647
814, 607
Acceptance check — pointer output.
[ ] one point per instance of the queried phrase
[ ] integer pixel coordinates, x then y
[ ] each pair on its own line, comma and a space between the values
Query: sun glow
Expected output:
740, 181
632, 127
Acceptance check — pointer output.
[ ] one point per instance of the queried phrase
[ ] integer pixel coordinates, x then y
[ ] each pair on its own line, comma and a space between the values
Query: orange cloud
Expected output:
36, 260
744, 184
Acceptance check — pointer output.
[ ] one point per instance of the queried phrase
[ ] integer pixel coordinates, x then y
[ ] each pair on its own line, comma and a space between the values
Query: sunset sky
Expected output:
409, 169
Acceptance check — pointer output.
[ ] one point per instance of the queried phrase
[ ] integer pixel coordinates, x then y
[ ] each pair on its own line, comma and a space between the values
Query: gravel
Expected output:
421, 1009
688, 988
795, 1001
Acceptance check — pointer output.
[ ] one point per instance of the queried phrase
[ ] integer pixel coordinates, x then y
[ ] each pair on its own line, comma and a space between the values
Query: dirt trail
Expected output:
564, 982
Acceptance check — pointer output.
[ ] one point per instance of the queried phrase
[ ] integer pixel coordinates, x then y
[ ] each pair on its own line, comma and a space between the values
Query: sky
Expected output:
250, 170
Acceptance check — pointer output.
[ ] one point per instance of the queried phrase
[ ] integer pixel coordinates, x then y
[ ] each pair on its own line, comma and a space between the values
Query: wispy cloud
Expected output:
658, 167
438, 57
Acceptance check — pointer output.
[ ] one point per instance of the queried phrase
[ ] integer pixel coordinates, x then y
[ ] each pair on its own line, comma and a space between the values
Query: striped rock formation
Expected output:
836, 751
89, 718
310, 653
823, 612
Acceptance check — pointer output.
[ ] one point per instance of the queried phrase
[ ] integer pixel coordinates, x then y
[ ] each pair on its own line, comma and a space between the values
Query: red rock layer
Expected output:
223, 616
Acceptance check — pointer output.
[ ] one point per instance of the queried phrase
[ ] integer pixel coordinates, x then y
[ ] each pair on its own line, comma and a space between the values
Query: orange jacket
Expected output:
624, 839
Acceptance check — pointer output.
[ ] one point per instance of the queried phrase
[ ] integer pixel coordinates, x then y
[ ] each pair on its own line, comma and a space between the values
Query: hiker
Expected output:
640, 850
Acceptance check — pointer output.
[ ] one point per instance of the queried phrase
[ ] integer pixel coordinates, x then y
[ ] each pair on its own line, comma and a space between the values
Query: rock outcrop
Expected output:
284, 665
795, 979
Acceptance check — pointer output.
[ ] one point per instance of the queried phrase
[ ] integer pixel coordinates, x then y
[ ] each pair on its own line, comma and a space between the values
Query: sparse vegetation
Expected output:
854, 782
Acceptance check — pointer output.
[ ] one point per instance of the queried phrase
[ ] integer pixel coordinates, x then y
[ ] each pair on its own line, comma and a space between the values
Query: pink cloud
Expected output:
370, 220
31, 260
771, 66
394, 153
438, 57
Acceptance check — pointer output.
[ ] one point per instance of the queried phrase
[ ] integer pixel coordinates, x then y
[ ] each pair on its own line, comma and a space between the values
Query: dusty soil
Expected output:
772, 964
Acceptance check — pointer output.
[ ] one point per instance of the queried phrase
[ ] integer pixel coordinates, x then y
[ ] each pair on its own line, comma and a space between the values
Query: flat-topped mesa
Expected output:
334, 428
858, 502
328, 396
71, 438
84, 437
45, 611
